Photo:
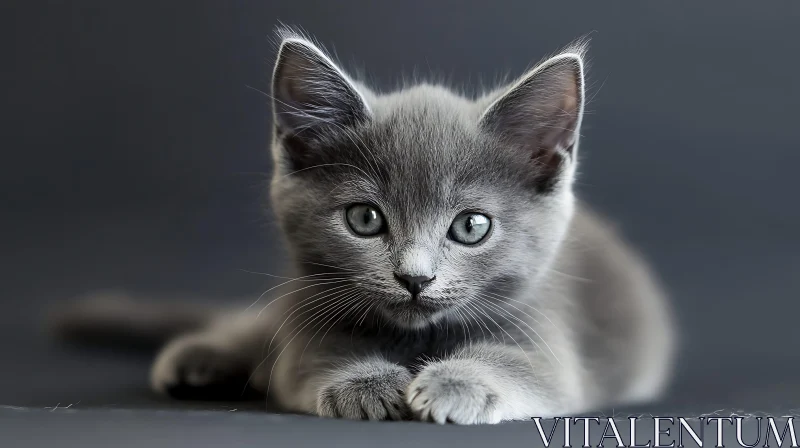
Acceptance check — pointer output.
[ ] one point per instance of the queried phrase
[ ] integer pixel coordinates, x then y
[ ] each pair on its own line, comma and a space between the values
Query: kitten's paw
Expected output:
366, 390
192, 367
453, 391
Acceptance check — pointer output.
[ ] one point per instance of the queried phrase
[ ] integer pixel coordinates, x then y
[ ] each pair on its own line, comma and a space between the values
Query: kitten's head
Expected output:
425, 203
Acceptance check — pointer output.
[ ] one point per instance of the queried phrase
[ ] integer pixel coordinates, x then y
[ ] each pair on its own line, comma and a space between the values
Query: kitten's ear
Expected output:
541, 113
310, 93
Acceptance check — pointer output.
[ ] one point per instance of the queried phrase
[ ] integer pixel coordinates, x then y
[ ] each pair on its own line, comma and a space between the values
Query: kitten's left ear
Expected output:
541, 113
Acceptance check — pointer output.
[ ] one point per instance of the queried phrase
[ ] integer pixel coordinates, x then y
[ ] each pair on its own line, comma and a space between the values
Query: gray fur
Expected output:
551, 314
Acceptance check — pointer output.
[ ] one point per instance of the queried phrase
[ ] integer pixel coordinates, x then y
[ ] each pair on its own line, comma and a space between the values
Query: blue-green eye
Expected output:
470, 228
364, 220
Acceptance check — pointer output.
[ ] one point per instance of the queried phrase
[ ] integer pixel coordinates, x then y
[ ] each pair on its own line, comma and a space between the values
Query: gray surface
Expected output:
126, 428
133, 156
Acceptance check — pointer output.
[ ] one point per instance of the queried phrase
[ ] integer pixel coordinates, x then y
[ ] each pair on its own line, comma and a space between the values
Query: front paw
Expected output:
365, 390
454, 391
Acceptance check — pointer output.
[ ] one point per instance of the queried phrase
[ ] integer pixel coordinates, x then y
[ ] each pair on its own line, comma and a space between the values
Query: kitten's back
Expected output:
624, 322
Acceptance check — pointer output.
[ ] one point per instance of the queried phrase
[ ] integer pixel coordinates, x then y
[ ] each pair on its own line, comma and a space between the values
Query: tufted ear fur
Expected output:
311, 95
541, 114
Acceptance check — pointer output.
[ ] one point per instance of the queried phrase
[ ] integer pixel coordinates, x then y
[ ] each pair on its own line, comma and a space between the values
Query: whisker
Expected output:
529, 306
473, 311
359, 298
571, 276
486, 295
327, 266
303, 278
333, 302
344, 304
353, 331
464, 324
322, 283
322, 165
499, 308
264, 347
532, 318
512, 339
327, 293
483, 333
361, 320
273, 288
297, 333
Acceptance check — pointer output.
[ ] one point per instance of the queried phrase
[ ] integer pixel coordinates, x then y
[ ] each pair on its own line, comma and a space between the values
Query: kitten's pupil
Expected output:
369, 215
469, 224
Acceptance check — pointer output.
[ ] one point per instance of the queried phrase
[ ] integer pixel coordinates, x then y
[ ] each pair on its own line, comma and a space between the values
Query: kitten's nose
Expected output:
414, 284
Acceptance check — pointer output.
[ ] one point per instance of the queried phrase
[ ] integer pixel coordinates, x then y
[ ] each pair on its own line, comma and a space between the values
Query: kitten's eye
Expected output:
365, 220
470, 228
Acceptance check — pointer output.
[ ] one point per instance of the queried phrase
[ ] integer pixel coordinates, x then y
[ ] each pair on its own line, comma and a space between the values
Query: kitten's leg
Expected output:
490, 383
370, 388
348, 385
214, 363
200, 366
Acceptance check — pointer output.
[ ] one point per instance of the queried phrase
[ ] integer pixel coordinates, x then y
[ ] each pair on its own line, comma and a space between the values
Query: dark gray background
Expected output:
134, 155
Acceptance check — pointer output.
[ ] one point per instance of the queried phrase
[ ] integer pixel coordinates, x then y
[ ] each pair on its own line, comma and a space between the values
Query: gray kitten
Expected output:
444, 270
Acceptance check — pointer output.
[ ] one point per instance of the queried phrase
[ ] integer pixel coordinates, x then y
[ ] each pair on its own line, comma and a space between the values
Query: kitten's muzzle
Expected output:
414, 283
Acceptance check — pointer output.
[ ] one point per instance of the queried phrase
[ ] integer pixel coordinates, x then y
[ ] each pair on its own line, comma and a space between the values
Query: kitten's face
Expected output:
424, 203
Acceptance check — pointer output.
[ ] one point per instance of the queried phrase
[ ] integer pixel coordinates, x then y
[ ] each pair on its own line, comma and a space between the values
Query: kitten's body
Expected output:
552, 313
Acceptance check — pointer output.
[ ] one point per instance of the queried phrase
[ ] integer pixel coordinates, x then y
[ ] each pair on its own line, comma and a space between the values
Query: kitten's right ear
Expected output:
541, 114
310, 93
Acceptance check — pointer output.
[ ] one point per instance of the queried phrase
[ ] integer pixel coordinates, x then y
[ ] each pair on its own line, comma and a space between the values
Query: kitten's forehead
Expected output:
427, 130
429, 156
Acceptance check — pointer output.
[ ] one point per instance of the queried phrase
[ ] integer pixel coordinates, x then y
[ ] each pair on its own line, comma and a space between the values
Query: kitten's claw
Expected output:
452, 392
192, 368
366, 391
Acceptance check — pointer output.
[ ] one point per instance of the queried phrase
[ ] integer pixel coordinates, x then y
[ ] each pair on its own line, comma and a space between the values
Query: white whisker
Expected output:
506, 312
524, 352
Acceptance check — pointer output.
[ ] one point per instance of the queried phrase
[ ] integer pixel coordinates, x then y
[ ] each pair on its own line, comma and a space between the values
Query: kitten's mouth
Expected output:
409, 312
412, 313
419, 304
